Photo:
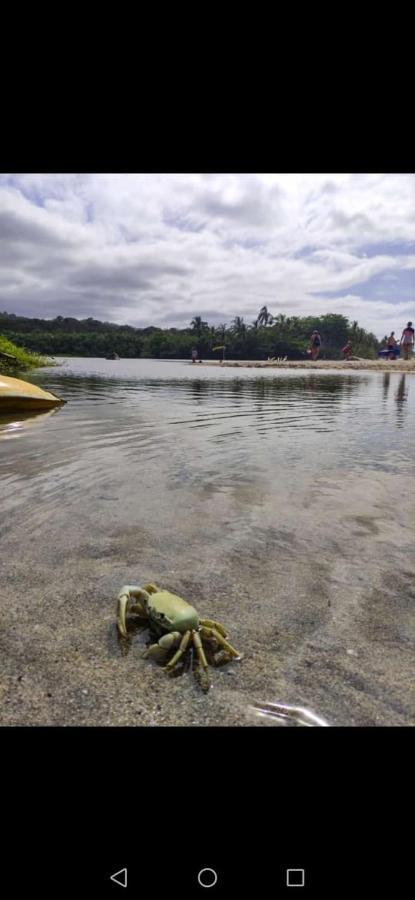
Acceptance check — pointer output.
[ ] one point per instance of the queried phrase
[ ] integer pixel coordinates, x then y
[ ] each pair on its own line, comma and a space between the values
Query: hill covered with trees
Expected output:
267, 336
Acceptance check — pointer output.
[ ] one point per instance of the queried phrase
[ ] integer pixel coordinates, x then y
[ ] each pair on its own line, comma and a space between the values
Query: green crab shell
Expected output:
168, 612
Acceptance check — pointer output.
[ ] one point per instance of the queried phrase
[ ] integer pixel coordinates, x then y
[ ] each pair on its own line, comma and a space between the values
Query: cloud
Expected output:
245, 203
14, 228
160, 249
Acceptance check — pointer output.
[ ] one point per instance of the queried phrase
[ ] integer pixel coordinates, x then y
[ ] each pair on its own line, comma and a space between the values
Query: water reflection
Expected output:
15, 423
386, 384
296, 715
265, 403
229, 432
401, 397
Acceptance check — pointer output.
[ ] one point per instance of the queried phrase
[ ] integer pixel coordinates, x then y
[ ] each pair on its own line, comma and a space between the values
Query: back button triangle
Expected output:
120, 877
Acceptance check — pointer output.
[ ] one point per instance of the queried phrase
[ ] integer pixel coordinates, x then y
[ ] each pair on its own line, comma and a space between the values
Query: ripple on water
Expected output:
141, 421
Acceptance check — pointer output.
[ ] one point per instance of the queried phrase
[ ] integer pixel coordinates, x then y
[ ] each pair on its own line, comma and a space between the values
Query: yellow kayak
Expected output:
17, 394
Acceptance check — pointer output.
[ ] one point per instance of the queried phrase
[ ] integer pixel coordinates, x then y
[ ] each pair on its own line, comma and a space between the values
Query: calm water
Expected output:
128, 421
259, 483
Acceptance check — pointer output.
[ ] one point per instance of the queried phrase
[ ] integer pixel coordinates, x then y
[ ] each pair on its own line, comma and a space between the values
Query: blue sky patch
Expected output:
387, 248
30, 193
393, 286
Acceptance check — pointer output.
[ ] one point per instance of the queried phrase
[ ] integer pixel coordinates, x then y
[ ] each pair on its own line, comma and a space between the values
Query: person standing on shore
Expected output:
315, 344
392, 345
407, 340
347, 350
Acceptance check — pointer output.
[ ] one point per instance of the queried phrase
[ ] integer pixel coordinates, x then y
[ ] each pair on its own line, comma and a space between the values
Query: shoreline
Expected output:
369, 365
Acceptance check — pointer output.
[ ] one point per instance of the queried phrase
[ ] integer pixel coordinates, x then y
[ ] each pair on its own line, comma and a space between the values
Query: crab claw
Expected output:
122, 598
151, 588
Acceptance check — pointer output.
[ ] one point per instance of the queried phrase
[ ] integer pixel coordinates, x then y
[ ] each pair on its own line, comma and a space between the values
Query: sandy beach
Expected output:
371, 365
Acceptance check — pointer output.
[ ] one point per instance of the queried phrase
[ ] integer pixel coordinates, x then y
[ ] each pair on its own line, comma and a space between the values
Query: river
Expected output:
278, 502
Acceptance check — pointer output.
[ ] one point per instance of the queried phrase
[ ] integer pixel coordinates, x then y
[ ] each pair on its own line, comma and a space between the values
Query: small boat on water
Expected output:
112, 356
17, 394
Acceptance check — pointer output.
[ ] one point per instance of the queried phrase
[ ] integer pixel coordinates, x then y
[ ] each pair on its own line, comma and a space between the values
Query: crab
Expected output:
176, 624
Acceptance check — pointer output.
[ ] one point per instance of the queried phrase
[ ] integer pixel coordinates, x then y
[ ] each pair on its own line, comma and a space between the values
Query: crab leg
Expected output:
212, 632
167, 642
197, 641
199, 649
210, 623
179, 653
123, 598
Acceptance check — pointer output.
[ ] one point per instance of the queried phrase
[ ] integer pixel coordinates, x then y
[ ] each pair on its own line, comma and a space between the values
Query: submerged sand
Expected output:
296, 533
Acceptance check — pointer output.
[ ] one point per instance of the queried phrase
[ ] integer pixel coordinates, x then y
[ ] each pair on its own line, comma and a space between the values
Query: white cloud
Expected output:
153, 249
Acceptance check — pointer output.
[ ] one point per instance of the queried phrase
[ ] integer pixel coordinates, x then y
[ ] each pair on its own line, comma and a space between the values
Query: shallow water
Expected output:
280, 503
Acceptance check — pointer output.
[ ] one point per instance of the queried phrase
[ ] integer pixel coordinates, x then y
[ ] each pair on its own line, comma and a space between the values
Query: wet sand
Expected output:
323, 634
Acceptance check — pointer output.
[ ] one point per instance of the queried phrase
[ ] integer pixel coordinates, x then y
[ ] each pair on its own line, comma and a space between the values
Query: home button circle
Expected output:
207, 878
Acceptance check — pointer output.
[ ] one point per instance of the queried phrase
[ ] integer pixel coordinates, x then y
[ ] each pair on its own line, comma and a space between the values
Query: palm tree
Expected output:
294, 323
198, 325
220, 331
264, 317
238, 327
280, 319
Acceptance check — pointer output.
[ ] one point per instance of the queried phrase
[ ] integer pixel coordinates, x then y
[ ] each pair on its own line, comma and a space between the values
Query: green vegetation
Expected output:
14, 358
267, 336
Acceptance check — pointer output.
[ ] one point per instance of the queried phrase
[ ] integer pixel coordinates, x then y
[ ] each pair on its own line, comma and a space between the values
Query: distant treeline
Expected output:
267, 336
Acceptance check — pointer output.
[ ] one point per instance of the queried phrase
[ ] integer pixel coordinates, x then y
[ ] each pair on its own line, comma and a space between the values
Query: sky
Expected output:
149, 249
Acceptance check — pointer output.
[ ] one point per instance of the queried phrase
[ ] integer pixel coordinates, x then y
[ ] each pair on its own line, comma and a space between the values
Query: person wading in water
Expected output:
407, 340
